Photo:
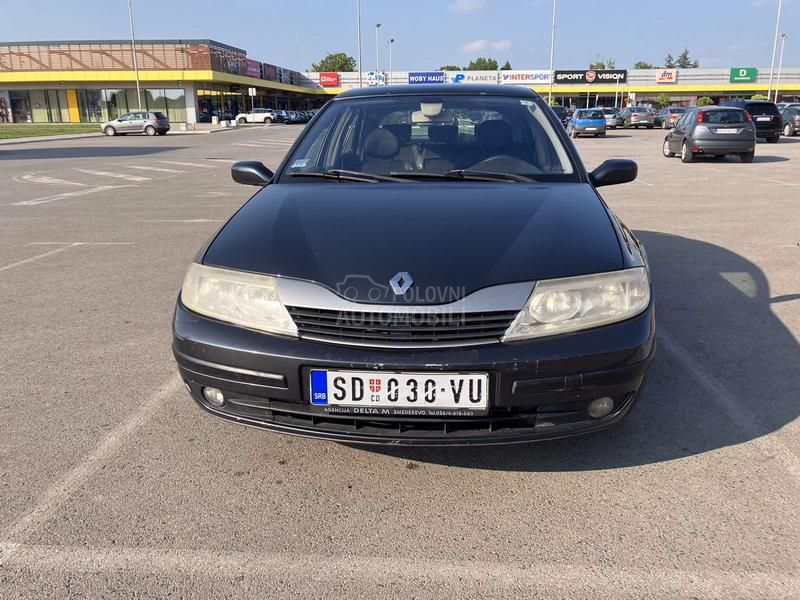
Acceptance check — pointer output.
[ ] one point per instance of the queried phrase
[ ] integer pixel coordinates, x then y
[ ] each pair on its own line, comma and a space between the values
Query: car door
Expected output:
137, 122
123, 124
678, 133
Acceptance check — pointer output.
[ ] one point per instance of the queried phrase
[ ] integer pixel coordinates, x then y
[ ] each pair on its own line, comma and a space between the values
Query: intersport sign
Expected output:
592, 76
515, 77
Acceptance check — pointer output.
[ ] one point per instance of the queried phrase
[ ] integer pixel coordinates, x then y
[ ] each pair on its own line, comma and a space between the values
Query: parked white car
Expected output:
257, 115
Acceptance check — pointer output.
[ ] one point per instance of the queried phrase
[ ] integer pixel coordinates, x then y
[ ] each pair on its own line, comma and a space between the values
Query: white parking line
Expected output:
744, 418
61, 490
226, 160
180, 221
159, 169
65, 195
749, 175
38, 256
125, 176
251, 145
540, 579
186, 164
33, 178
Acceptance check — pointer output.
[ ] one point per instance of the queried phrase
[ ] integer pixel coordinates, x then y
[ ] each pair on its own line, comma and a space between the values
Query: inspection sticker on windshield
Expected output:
300, 163
386, 393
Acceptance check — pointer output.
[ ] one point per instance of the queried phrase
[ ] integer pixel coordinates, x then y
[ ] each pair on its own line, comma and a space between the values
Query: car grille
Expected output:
401, 329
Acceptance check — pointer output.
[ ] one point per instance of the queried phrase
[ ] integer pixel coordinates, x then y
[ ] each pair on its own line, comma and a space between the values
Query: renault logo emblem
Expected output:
401, 283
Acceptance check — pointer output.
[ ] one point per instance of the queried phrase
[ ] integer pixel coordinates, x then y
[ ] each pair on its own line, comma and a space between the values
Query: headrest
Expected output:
381, 143
443, 133
402, 131
493, 135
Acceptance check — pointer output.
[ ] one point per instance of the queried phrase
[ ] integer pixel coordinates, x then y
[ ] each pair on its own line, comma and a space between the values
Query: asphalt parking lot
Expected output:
113, 484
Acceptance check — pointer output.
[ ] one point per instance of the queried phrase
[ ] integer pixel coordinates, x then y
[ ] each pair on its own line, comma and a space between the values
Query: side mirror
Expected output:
614, 171
251, 172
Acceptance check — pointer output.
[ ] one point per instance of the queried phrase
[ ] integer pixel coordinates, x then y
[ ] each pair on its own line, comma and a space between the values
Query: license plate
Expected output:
727, 130
386, 393
590, 128
763, 118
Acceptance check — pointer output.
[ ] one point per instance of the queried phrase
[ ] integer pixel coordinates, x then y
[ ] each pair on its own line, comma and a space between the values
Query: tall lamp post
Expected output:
391, 43
780, 66
774, 47
552, 53
377, 48
133, 51
358, 13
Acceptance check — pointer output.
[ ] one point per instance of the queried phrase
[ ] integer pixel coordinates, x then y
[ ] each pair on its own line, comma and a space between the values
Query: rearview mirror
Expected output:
251, 172
614, 171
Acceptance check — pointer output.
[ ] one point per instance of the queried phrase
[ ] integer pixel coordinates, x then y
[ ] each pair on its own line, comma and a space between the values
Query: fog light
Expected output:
600, 408
216, 398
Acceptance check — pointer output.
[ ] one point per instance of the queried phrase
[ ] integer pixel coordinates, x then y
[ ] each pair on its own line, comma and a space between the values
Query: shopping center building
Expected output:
189, 80
193, 81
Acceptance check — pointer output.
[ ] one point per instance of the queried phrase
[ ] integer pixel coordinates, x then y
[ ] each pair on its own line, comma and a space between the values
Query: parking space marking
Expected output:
125, 176
746, 420
751, 176
65, 195
187, 164
251, 145
55, 495
34, 178
227, 160
180, 221
38, 256
158, 169
607, 581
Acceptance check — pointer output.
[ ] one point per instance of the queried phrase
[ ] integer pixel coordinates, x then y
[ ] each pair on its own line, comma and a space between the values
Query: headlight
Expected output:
574, 303
245, 299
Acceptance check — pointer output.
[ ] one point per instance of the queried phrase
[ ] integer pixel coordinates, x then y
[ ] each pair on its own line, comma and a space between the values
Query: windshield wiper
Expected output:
465, 174
343, 175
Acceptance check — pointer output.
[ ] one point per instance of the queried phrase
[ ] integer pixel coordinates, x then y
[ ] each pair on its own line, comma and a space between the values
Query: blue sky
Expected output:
431, 33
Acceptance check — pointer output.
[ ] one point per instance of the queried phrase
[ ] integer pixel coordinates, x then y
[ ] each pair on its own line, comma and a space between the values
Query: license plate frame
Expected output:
727, 131
375, 391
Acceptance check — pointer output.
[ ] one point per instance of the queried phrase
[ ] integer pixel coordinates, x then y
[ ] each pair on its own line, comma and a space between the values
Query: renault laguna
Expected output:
428, 266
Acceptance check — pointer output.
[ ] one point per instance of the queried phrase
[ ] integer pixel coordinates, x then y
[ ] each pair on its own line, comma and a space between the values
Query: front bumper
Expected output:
539, 389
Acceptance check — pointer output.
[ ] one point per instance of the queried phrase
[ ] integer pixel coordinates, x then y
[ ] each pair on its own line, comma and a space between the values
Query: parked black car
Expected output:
765, 115
712, 131
562, 114
370, 292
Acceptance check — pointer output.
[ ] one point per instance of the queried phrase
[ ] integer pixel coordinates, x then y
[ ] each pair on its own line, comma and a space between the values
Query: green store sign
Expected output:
743, 74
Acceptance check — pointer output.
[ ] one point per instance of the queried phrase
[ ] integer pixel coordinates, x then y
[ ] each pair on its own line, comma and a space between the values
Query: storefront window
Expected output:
39, 112
116, 103
176, 105
53, 106
90, 105
155, 100
20, 106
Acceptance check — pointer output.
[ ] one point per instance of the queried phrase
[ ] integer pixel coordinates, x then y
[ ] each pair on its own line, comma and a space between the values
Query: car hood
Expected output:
452, 237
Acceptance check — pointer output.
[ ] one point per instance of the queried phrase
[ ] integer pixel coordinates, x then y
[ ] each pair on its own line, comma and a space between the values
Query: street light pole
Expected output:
552, 53
780, 66
377, 49
133, 51
391, 42
358, 11
774, 47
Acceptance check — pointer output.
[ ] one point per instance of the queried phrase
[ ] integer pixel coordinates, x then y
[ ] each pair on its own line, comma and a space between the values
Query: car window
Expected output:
725, 116
124, 117
590, 114
761, 108
433, 134
682, 122
161, 116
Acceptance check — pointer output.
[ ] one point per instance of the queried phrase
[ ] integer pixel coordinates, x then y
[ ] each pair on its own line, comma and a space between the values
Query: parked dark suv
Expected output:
765, 115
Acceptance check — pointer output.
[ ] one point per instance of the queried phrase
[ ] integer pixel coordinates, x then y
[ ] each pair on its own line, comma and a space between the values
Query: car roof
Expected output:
433, 89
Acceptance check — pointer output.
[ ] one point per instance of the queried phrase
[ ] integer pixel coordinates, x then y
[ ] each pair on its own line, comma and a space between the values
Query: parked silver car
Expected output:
612, 116
637, 116
151, 123
712, 131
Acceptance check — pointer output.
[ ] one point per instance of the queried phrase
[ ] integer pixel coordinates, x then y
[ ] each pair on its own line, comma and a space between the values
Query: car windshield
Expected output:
640, 109
416, 136
609, 111
589, 114
725, 116
677, 111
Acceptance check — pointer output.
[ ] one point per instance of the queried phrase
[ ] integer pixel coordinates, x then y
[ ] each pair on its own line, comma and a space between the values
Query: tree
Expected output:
482, 64
663, 99
684, 61
669, 62
642, 64
704, 101
506, 67
450, 68
609, 63
335, 61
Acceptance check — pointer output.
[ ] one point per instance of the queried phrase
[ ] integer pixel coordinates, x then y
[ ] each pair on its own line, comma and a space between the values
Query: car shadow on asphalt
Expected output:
82, 152
725, 373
